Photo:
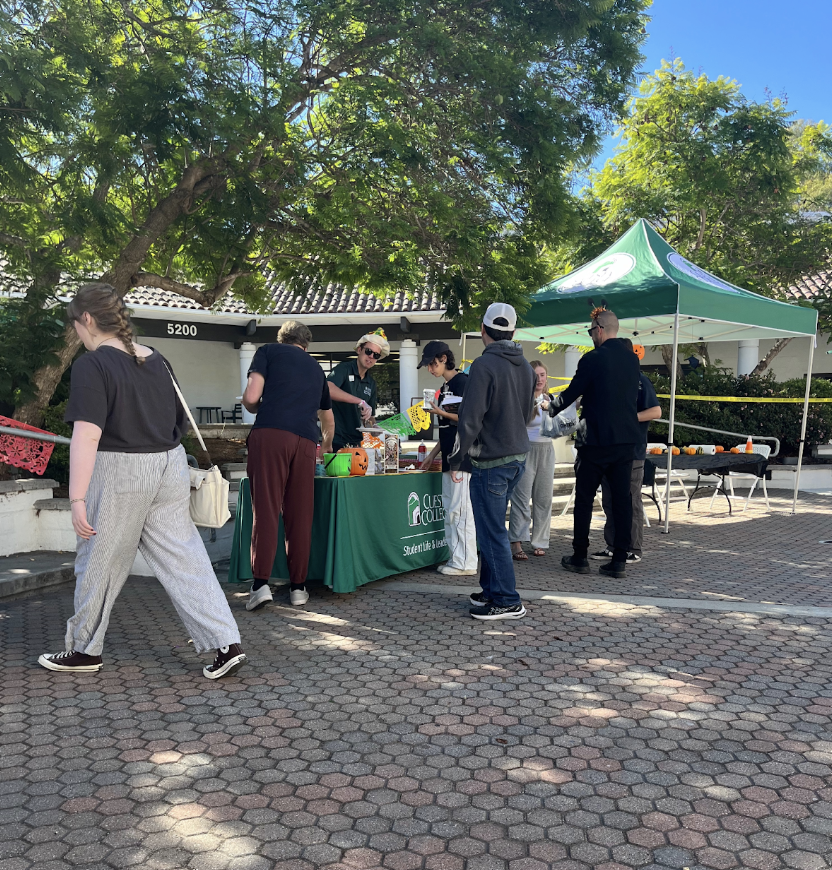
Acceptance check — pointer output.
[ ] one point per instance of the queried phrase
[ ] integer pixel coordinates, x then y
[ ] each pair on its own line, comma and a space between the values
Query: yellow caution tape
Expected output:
762, 400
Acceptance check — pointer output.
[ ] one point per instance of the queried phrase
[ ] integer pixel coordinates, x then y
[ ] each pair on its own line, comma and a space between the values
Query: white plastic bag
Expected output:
565, 422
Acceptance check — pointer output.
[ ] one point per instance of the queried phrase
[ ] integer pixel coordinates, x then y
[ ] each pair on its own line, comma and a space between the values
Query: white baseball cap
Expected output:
503, 310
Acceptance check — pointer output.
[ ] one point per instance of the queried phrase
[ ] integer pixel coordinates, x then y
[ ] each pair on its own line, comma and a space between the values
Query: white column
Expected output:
748, 356
408, 374
246, 356
571, 359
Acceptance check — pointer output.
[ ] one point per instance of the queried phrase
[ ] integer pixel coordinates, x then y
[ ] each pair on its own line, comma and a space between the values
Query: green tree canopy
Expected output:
385, 145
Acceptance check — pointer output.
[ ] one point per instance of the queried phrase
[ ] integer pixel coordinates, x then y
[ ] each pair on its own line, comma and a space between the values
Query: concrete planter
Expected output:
32, 521
811, 477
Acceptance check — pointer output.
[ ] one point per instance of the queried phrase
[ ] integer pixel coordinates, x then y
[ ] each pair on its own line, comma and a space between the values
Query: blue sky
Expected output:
782, 46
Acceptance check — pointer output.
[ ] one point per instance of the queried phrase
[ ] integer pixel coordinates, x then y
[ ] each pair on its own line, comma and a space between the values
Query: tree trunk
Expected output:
196, 179
46, 380
765, 362
667, 357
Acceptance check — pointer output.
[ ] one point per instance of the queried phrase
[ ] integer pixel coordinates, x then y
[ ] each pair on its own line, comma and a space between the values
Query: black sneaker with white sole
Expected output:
71, 661
478, 599
491, 611
632, 558
602, 554
229, 660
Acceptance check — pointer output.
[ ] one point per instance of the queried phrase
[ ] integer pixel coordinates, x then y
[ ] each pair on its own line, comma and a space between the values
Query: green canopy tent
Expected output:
662, 298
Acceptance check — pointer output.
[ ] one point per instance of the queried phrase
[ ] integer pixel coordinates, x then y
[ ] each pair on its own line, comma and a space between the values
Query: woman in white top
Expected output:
531, 502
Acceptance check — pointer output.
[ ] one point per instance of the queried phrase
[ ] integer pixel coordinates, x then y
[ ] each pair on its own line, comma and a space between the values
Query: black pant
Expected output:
594, 464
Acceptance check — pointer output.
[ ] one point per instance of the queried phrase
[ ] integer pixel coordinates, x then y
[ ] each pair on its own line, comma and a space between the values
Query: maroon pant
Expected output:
281, 473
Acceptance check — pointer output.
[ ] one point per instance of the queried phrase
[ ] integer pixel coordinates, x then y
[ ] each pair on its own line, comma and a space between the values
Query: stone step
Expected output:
52, 504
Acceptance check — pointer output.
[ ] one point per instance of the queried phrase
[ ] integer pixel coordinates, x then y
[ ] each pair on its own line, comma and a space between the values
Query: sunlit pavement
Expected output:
389, 729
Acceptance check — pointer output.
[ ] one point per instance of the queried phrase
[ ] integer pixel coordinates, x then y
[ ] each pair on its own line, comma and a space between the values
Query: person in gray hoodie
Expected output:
492, 431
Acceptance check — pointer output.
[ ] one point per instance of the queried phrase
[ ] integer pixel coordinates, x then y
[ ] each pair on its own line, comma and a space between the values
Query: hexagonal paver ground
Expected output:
753, 556
389, 730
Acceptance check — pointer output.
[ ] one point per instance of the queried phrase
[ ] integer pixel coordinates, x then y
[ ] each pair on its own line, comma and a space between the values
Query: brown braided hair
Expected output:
107, 309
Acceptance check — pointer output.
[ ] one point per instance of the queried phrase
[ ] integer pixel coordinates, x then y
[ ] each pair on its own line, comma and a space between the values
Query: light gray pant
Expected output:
460, 529
637, 534
534, 521
140, 501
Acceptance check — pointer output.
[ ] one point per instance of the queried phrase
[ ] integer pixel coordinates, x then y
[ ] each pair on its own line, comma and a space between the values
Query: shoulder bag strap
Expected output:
190, 415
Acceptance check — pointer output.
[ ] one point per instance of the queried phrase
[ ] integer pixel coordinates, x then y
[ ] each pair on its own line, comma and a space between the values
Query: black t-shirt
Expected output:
135, 405
646, 399
294, 392
347, 416
451, 390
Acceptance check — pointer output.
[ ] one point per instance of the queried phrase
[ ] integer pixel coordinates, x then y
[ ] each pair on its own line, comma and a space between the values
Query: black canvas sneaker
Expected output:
70, 661
478, 599
491, 611
229, 660
576, 566
632, 558
602, 554
613, 569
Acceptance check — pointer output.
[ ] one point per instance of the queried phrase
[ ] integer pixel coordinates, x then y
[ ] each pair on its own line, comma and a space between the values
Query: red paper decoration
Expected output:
23, 452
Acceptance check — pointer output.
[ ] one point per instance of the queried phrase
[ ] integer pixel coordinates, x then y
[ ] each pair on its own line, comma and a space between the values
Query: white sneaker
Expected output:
455, 572
298, 597
257, 599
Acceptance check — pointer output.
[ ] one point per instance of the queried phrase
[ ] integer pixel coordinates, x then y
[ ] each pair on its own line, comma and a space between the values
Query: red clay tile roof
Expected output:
811, 286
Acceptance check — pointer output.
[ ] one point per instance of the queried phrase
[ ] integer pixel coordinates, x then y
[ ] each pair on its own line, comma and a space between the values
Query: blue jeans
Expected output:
491, 489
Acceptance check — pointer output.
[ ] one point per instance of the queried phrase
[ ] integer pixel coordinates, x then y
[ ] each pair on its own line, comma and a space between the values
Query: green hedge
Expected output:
780, 421
53, 421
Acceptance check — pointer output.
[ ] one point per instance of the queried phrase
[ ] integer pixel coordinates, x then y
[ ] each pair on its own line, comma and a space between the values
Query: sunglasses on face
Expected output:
372, 353
593, 328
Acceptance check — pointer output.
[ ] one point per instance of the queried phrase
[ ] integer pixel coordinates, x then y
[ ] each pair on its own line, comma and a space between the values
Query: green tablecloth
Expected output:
364, 528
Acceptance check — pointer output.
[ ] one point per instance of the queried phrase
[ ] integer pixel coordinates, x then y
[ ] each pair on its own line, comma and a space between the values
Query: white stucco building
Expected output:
211, 350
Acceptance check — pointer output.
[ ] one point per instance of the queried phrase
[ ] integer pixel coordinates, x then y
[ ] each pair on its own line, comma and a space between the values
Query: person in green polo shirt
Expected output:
353, 390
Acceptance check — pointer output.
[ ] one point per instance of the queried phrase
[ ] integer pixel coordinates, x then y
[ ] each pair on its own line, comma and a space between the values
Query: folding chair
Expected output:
762, 450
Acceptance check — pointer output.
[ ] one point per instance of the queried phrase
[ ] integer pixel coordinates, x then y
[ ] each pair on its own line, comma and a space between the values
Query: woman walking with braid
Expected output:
129, 489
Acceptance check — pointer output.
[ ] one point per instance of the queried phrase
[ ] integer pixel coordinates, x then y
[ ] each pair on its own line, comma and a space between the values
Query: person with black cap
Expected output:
460, 530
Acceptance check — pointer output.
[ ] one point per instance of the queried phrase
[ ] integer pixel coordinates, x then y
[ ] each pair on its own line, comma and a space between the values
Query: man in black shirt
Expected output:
607, 382
460, 530
648, 409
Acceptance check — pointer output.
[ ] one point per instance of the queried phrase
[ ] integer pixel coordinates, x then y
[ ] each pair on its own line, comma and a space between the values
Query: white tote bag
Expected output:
209, 489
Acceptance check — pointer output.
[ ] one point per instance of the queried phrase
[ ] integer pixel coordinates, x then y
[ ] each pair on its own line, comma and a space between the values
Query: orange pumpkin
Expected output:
719, 449
638, 350
359, 462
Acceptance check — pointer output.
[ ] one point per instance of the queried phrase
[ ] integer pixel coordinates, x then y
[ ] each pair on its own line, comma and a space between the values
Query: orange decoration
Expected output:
360, 460
638, 350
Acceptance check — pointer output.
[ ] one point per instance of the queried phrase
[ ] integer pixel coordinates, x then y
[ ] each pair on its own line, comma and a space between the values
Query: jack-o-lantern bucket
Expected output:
359, 462
638, 350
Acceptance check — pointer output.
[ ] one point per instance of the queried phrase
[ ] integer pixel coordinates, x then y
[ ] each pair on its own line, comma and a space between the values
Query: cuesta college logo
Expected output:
414, 513
598, 274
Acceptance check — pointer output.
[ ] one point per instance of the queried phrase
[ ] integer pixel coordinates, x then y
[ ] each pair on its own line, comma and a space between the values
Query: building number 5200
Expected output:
181, 329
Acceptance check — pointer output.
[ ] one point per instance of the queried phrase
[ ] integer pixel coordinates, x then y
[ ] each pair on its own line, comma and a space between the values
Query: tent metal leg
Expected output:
803, 424
671, 419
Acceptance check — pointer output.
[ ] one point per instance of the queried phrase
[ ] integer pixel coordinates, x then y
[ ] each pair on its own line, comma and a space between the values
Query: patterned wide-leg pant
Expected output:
140, 501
